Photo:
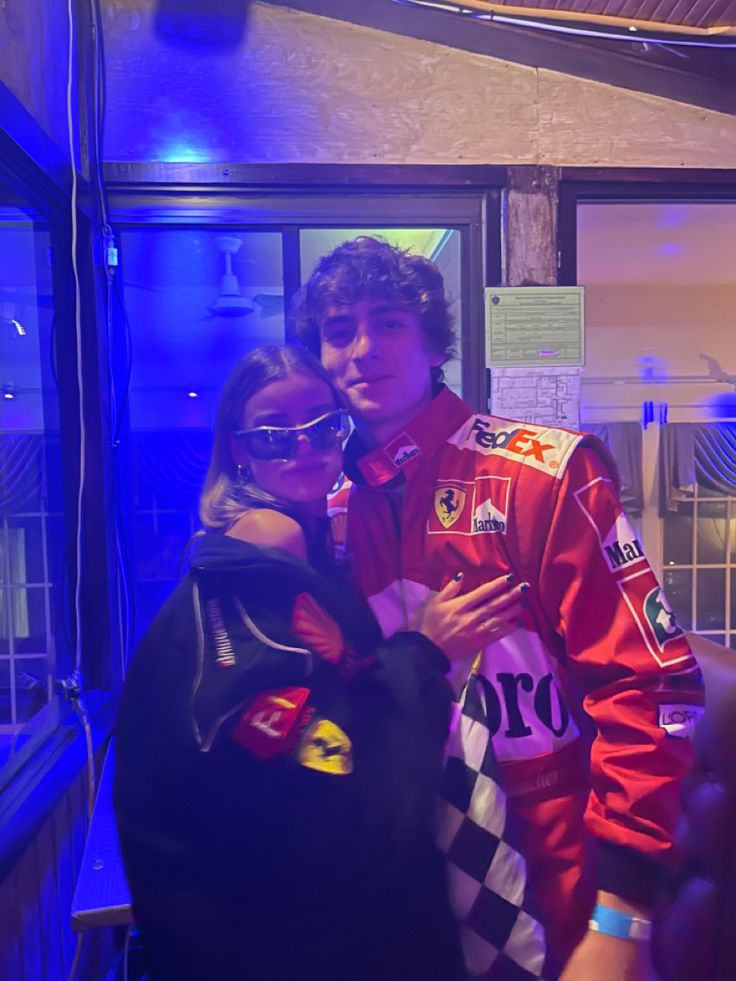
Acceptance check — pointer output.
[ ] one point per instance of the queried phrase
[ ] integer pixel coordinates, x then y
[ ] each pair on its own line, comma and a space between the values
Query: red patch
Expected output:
269, 724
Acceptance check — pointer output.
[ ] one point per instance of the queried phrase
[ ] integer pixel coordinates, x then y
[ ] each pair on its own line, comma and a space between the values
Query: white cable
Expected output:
78, 329
77, 956
126, 952
123, 598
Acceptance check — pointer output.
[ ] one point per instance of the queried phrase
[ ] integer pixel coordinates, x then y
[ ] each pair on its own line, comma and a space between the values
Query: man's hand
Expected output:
600, 957
463, 624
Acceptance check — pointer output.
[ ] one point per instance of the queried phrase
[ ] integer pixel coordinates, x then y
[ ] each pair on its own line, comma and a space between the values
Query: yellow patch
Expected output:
449, 502
325, 747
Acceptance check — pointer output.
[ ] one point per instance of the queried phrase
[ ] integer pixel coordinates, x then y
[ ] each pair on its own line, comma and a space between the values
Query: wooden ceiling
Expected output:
711, 17
684, 50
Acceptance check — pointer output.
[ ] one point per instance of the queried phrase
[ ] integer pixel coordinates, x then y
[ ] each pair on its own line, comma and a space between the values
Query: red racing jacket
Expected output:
592, 700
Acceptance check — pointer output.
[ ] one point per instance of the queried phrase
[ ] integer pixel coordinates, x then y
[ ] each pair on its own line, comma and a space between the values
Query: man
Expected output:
439, 491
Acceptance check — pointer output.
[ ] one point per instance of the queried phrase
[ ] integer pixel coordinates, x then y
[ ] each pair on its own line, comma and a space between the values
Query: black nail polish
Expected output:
458, 576
511, 578
524, 586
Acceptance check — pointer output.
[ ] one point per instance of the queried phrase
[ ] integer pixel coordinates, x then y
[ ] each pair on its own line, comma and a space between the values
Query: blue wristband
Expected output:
617, 924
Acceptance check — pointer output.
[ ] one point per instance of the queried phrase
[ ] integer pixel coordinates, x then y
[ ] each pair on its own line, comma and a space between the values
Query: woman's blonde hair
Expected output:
224, 495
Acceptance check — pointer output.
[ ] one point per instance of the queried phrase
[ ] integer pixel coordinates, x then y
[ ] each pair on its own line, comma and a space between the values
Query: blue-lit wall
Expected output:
34, 40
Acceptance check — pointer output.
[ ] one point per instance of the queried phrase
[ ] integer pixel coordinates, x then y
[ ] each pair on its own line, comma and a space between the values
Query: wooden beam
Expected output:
332, 176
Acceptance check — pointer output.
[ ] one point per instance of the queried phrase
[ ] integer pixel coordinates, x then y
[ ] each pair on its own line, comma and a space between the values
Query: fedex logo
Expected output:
523, 442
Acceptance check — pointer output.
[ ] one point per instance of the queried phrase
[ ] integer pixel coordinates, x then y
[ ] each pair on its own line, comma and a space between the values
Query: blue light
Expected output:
673, 215
670, 248
723, 406
181, 153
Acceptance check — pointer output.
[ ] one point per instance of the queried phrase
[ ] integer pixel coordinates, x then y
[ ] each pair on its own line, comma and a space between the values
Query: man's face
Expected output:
380, 361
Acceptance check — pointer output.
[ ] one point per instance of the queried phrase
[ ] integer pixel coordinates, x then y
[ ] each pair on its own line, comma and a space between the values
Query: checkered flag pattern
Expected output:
501, 938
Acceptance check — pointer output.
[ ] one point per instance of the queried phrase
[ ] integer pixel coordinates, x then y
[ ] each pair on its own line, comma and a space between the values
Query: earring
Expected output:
244, 474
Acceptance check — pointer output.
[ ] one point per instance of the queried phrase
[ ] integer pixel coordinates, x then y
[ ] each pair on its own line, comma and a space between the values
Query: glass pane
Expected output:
653, 269
7, 701
197, 300
732, 624
30, 687
710, 599
711, 533
29, 619
25, 541
4, 621
441, 245
678, 537
678, 588
705, 491
30, 463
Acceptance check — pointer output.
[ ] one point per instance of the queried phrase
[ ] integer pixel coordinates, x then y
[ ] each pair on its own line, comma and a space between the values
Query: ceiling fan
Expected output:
229, 301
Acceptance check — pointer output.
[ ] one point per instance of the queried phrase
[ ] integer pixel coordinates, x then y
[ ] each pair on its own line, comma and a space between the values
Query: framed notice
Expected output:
534, 326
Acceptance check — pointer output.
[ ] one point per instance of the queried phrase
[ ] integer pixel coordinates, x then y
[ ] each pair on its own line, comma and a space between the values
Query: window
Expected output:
202, 280
659, 295
33, 641
700, 563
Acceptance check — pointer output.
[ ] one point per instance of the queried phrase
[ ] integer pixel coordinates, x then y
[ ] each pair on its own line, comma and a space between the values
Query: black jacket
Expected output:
246, 867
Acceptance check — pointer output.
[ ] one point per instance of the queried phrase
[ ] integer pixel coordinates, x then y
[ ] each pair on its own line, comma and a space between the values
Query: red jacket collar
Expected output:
404, 451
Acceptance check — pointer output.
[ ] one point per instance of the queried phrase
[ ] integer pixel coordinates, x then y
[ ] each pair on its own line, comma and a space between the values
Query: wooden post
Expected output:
531, 260
531, 226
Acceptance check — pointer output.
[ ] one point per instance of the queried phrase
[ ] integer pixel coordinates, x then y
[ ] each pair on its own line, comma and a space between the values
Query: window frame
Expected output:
261, 196
33, 783
635, 185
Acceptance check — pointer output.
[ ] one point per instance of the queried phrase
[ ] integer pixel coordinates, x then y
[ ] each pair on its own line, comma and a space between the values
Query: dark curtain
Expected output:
173, 465
623, 440
21, 471
696, 453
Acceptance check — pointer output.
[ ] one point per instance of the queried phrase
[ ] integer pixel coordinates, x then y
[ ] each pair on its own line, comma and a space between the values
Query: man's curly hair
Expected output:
369, 268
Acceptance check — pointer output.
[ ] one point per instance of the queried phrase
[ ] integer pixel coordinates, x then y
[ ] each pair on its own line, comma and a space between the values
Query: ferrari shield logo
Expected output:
327, 748
449, 502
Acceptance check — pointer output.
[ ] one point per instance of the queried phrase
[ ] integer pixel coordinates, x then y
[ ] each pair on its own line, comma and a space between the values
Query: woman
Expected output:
277, 762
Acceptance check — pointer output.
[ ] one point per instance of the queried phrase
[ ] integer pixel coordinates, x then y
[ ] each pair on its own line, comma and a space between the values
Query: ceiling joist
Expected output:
575, 11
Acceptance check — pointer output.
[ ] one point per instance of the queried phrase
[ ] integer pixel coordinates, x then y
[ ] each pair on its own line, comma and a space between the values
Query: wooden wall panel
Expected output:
36, 942
33, 41
307, 89
598, 125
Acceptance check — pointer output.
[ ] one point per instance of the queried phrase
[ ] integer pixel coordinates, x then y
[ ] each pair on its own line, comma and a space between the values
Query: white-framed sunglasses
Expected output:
281, 442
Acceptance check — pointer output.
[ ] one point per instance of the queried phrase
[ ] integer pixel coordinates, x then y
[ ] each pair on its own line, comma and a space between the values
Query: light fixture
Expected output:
9, 392
192, 394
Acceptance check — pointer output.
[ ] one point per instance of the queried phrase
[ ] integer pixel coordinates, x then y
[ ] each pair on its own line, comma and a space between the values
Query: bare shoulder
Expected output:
263, 526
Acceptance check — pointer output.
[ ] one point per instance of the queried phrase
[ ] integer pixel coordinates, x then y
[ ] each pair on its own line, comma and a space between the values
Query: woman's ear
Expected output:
238, 451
